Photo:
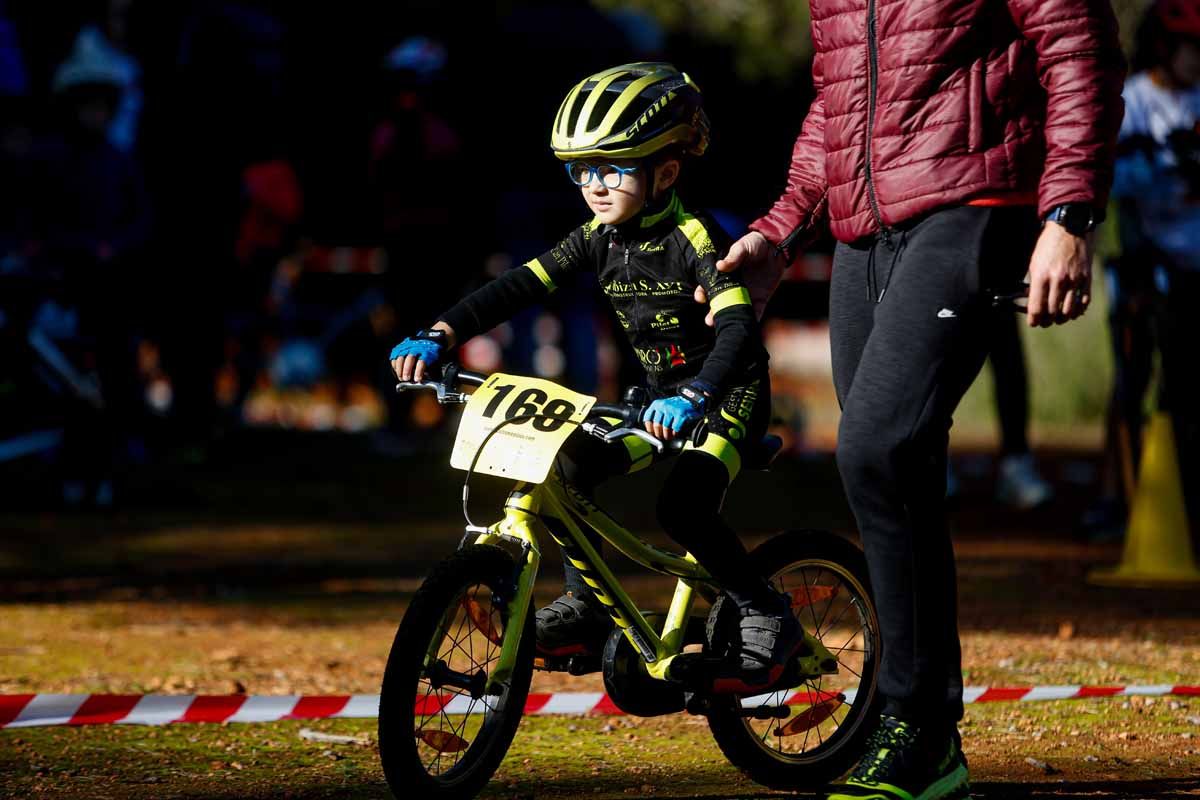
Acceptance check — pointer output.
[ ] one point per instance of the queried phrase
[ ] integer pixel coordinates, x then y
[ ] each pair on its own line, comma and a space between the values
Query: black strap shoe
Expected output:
571, 626
768, 636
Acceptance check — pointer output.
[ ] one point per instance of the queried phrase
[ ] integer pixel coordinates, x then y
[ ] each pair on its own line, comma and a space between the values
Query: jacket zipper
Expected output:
873, 85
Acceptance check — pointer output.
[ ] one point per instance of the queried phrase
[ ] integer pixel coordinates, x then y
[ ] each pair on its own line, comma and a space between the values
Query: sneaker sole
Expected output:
954, 786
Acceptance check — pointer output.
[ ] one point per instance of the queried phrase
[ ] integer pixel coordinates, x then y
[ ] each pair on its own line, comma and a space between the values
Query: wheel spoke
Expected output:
841, 614
828, 606
820, 739
856, 674
808, 591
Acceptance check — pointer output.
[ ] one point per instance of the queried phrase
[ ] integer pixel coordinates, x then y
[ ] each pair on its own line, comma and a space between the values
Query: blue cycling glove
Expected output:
684, 408
427, 346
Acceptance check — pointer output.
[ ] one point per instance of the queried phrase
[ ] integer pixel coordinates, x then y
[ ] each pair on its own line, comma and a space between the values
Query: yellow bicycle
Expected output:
459, 671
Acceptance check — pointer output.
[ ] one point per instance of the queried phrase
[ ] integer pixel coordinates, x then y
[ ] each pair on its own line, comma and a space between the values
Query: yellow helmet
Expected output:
630, 111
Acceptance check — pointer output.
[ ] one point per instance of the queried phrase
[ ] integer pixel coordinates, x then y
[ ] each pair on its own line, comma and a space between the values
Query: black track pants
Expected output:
900, 365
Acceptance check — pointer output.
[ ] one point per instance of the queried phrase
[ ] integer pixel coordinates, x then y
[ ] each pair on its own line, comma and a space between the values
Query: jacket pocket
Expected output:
976, 96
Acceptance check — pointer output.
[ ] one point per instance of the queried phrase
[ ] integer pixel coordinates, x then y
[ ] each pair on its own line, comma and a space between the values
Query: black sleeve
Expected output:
738, 343
519, 288
494, 302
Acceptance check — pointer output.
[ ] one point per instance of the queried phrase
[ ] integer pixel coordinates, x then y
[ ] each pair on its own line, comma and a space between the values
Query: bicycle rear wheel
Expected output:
440, 734
807, 735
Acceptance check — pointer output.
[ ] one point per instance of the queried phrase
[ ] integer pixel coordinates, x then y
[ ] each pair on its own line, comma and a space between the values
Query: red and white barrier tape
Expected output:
29, 710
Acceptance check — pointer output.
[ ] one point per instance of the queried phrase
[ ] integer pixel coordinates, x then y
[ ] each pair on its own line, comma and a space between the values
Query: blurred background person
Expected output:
1154, 283
1019, 484
89, 220
106, 39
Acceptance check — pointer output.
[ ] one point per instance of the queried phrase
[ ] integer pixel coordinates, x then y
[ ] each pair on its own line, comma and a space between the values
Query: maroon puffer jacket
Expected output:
928, 103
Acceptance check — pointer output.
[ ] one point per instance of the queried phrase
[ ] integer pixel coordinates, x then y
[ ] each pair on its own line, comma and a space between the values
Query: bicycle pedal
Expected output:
696, 671
707, 674
582, 664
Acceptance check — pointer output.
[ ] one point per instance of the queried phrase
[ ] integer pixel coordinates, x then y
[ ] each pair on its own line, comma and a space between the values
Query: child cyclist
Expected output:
623, 134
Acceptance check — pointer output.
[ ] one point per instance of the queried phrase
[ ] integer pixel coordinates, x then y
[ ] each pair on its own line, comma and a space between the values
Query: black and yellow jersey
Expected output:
649, 267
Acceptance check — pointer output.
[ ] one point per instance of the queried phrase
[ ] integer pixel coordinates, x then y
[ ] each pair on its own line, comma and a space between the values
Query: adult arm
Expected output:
795, 219
1081, 67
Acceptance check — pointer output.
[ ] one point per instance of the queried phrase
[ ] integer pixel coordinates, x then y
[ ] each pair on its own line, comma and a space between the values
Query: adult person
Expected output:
1156, 280
950, 146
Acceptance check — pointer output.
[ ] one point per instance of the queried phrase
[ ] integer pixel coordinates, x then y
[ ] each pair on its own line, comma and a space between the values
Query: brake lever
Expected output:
443, 396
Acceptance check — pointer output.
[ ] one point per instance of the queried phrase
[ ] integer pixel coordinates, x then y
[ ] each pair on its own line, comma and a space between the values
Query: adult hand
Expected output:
763, 267
1060, 276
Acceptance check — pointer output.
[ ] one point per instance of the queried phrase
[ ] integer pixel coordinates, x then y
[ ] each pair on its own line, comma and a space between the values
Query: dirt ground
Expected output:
221, 592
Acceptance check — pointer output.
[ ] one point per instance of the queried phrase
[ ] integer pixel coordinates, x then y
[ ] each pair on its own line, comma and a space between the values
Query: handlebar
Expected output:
628, 414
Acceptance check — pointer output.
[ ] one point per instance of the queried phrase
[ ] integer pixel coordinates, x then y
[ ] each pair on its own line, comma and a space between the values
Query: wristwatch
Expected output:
1078, 218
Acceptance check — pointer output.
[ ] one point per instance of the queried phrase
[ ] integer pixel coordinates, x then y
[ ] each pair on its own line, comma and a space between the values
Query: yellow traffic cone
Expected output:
1158, 546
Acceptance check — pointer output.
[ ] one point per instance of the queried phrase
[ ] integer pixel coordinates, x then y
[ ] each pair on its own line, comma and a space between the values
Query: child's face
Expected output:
614, 206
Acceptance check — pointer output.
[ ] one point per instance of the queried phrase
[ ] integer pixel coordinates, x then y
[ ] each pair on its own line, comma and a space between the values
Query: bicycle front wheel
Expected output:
442, 734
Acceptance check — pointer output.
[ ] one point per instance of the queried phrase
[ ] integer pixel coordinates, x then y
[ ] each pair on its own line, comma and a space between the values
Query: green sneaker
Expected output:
902, 764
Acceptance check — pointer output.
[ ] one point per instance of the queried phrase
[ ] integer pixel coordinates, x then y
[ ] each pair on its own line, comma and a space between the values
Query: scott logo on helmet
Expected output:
659, 105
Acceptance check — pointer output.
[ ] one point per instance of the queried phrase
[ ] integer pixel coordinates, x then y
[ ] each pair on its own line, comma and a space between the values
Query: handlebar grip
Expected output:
453, 373
627, 414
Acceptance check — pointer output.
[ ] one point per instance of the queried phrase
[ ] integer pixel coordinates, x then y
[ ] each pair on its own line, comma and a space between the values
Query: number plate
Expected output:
524, 449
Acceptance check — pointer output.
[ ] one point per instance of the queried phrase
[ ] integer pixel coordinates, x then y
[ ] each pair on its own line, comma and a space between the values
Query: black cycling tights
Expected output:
689, 509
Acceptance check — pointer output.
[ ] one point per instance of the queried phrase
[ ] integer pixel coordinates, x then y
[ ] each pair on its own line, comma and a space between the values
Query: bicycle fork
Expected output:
520, 509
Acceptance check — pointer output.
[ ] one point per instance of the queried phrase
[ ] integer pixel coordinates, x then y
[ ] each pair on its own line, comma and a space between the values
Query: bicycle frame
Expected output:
557, 499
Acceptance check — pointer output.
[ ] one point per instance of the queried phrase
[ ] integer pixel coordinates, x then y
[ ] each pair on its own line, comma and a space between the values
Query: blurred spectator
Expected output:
90, 200
16, 141
14, 80
225, 101
413, 146
1155, 283
1018, 482
95, 45
89, 217
1019, 485
273, 206
273, 203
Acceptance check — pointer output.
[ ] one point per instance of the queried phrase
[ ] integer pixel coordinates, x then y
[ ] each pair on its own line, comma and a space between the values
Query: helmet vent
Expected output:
630, 114
603, 104
576, 107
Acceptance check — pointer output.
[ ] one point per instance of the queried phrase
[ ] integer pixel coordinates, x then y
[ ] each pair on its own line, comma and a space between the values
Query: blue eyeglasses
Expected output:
610, 175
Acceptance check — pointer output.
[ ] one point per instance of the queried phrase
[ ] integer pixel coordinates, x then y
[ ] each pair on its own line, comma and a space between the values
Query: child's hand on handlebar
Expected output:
418, 353
667, 416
